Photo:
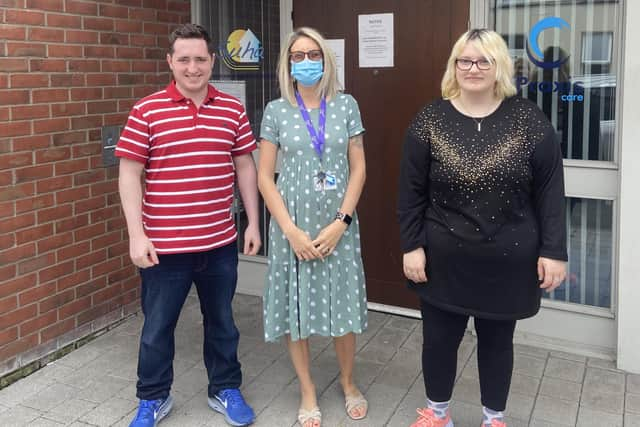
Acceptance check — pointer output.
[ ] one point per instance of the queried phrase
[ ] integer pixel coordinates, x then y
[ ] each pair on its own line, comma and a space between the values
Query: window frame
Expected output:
585, 43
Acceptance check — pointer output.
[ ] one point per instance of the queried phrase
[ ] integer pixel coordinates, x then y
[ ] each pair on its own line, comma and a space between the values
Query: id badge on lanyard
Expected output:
323, 180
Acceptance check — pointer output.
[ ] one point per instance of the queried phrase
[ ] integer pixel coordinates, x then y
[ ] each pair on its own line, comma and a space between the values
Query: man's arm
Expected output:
141, 250
247, 183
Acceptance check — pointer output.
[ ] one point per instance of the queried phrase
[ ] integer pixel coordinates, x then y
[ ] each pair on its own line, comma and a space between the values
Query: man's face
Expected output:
191, 65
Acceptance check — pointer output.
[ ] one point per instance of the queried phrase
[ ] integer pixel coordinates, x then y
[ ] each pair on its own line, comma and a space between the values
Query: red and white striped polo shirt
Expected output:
189, 172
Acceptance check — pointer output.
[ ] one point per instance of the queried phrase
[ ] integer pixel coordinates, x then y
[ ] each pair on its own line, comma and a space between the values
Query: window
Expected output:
247, 34
596, 48
590, 247
596, 52
516, 46
573, 75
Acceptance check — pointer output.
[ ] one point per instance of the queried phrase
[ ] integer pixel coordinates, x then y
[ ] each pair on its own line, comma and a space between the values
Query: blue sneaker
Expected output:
150, 412
230, 403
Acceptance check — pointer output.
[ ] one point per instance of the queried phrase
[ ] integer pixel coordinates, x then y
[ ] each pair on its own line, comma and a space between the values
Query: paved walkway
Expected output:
95, 385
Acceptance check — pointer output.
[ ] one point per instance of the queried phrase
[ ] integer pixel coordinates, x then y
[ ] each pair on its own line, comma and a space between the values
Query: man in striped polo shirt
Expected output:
192, 143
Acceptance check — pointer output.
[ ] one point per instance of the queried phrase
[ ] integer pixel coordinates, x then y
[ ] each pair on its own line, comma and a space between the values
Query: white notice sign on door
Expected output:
375, 40
337, 45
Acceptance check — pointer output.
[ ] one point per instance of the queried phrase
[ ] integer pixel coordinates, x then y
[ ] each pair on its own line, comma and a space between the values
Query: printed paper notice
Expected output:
375, 40
337, 46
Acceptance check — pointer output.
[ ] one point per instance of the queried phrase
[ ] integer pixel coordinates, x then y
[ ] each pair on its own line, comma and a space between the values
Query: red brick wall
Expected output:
67, 68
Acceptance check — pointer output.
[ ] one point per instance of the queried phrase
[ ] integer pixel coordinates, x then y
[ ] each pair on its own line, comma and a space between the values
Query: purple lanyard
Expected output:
317, 137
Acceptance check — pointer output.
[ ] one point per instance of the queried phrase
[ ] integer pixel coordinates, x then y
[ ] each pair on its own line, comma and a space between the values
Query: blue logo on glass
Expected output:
534, 35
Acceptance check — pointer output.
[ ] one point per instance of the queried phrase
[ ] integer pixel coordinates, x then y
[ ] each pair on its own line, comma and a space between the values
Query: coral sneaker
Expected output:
494, 423
427, 418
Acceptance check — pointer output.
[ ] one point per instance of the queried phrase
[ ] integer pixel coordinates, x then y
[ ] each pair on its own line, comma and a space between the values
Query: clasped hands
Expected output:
321, 247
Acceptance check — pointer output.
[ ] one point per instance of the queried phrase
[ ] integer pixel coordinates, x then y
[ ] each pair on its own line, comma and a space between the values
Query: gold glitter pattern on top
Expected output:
479, 164
472, 160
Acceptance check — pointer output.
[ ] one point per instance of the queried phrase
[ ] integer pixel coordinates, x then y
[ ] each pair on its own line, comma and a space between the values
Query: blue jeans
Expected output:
164, 290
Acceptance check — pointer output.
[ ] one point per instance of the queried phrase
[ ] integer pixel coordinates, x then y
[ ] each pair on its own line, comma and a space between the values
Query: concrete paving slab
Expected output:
632, 403
631, 420
633, 383
555, 410
70, 410
528, 365
20, 416
588, 417
524, 384
564, 369
604, 380
108, 412
95, 384
561, 389
50, 397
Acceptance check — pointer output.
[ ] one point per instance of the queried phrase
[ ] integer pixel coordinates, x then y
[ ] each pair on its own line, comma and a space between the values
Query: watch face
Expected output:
343, 217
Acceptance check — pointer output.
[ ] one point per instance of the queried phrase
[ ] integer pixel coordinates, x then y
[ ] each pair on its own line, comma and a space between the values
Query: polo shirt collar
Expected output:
175, 94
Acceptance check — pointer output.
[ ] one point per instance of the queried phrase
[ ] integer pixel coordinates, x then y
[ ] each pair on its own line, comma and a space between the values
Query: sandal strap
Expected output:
355, 401
306, 415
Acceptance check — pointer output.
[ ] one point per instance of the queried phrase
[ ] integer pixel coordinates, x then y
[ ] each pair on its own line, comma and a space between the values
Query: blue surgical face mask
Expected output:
307, 72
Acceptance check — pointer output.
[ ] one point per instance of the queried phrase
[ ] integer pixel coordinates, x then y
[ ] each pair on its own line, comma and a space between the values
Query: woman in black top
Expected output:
482, 199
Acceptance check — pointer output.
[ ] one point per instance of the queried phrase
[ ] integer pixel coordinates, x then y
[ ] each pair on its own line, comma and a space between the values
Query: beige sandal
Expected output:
312, 415
356, 401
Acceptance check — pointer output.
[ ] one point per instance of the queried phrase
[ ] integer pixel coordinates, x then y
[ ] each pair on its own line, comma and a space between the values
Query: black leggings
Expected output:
442, 332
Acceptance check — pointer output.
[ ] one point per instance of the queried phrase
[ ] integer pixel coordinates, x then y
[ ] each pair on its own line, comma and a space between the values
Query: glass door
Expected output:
567, 55
247, 35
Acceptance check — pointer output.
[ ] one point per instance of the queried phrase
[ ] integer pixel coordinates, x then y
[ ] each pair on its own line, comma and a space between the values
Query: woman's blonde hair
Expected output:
329, 85
494, 49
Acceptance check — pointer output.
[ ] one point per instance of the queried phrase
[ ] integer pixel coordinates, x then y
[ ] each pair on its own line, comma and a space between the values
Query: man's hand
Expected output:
142, 252
252, 240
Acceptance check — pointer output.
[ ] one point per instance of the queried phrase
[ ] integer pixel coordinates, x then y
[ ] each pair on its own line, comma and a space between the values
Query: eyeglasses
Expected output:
466, 64
313, 55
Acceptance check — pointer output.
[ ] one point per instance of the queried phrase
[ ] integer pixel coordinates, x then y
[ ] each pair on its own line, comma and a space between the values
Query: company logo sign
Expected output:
568, 90
533, 48
242, 51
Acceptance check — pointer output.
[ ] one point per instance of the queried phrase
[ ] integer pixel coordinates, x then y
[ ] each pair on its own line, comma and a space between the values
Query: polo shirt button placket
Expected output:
195, 113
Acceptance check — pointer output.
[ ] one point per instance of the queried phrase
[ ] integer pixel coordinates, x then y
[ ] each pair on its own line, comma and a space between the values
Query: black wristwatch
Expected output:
344, 217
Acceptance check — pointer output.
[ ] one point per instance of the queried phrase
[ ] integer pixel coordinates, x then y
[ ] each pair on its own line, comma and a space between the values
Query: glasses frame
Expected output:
306, 54
476, 63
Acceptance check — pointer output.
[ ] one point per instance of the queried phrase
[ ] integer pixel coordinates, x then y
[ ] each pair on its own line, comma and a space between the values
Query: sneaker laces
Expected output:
426, 418
497, 423
147, 408
233, 396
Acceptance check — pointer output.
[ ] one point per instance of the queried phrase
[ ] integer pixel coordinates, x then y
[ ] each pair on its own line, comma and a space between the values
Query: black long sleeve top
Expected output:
485, 199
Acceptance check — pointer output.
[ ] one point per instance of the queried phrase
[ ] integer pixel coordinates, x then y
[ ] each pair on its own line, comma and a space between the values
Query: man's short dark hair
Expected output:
191, 31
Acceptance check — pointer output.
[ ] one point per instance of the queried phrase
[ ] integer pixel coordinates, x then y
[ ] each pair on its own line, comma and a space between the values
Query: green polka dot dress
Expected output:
304, 298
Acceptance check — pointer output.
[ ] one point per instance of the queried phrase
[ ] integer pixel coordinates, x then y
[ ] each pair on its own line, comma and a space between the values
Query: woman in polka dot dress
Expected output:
315, 282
